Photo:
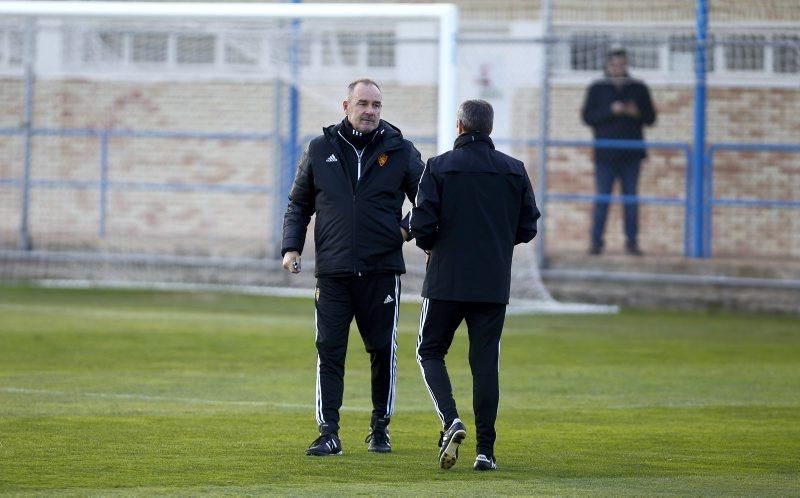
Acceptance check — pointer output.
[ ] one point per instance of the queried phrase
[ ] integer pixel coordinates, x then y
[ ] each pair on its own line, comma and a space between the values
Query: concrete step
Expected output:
676, 282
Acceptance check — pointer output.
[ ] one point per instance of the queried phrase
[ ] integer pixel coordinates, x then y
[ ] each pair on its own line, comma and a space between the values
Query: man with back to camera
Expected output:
354, 177
473, 206
617, 107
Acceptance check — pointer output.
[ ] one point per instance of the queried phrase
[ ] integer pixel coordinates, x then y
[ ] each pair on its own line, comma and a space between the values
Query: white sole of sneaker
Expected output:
324, 454
450, 453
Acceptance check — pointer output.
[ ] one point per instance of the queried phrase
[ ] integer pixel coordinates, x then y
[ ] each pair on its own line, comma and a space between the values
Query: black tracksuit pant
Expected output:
374, 302
438, 323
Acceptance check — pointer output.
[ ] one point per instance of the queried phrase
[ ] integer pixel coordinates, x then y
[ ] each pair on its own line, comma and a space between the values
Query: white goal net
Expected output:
146, 144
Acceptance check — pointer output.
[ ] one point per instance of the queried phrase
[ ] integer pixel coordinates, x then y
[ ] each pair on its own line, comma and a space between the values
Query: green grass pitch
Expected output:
146, 393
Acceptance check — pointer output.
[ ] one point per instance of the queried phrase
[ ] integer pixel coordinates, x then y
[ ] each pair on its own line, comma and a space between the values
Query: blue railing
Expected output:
691, 229
692, 226
738, 202
103, 184
697, 219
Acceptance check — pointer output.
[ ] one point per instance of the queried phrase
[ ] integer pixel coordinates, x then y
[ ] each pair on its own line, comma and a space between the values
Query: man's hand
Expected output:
632, 110
291, 261
404, 233
617, 108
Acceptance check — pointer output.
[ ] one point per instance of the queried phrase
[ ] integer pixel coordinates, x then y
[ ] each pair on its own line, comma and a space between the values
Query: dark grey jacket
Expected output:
597, 113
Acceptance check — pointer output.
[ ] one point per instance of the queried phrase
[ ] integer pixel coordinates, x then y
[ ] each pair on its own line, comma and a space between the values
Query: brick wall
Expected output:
751, 115
223, 223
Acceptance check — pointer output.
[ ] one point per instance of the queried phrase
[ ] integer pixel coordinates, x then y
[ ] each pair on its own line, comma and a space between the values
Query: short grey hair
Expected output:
476, 115
352, 86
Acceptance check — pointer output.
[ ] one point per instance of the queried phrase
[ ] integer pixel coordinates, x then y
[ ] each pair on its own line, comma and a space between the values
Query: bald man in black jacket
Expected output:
354, 178
473, 205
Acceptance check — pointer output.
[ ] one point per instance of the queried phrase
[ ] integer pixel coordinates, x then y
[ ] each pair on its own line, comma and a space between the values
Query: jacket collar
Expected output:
469, 137
389, 137
355, 137
387, 131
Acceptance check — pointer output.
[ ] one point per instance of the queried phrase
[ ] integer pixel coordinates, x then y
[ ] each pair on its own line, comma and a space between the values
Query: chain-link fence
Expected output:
179, 139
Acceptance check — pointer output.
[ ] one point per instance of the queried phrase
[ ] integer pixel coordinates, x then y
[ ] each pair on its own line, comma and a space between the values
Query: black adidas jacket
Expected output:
356, 231
473, 206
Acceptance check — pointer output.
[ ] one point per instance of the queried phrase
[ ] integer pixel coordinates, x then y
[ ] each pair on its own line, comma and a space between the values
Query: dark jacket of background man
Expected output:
608, 126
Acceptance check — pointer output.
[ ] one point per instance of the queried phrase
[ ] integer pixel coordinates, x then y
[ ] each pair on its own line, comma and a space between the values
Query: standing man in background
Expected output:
354, 177
473, 206
617, 107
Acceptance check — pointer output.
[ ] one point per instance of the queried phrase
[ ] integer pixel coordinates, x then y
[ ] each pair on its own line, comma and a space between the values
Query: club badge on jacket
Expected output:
382, 159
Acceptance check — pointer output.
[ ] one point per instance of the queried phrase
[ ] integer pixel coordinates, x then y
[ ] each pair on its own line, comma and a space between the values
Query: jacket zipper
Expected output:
355, 270
358, 154
358, 178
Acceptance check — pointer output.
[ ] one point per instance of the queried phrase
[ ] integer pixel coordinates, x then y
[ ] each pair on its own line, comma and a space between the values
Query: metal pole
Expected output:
229, 11
544, 121
27, 126
103, 182
279, 168
294, 99
448, 79
699, 203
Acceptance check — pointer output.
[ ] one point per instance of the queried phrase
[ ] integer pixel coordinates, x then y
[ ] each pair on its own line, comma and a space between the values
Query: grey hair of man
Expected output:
476, 115
352, 86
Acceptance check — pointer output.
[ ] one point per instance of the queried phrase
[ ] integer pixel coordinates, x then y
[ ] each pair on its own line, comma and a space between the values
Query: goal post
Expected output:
445, 14
154, 143
141, 137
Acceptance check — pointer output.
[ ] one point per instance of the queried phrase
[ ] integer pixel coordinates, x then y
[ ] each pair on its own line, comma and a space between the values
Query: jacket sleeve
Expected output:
595, 110
411, 182
528, 213
424, 221
301, 207
646, 107
413, 174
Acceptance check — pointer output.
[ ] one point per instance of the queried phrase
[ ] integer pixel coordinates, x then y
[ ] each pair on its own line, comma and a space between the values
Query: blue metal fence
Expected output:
712, 201
103, 184
691, 210
697, 208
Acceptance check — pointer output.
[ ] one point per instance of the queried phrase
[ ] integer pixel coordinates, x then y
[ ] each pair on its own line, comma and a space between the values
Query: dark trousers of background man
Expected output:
374, 301
605, 174
438, 323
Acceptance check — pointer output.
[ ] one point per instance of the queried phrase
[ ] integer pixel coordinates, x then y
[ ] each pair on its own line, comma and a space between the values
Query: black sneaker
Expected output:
325, 445
378, 437
633, 250
379, 441
449, 442
482, 462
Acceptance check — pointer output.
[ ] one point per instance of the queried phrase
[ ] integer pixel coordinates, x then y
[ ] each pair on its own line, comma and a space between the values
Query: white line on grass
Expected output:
153, 314
406, 409
516, 306
193, 401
